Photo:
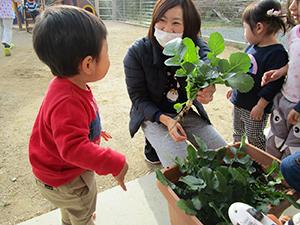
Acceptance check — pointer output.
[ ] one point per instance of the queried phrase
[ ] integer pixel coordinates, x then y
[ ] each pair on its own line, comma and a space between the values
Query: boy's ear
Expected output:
259, 27
85, 65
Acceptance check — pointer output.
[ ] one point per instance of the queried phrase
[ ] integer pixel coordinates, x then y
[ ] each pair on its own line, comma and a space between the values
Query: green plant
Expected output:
214, 181
232, 73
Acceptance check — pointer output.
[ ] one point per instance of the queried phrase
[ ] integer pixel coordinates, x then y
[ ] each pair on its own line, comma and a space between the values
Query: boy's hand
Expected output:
293, 117
120, 177
105, 135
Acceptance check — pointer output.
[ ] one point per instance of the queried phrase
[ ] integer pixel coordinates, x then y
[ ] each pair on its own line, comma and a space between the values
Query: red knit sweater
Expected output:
66, 135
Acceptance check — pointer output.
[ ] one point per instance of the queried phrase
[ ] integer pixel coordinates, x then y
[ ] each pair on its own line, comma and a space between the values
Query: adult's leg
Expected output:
290, 169
150, 153
194, 124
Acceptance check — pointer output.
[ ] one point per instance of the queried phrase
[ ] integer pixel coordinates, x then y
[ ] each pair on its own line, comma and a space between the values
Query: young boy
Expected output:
32, 8
64, 146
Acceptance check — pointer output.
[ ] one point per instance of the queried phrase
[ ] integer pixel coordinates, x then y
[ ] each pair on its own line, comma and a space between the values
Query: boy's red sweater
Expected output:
66, 136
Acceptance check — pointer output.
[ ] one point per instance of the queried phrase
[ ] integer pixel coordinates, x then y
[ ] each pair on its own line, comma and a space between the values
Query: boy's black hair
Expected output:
257, 12
64, 35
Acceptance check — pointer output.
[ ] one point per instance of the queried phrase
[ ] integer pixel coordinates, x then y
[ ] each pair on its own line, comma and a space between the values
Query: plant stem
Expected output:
182, 114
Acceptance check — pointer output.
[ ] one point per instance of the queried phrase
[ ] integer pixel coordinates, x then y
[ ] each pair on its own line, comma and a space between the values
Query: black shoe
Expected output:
150, 153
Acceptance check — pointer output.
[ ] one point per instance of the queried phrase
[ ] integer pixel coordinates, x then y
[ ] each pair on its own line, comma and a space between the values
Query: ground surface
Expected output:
24, 81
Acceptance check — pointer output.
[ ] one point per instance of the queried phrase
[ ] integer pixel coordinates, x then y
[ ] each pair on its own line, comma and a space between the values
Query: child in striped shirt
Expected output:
32, 8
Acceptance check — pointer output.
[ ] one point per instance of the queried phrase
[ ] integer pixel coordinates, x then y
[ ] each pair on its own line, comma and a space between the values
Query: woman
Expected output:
153, 88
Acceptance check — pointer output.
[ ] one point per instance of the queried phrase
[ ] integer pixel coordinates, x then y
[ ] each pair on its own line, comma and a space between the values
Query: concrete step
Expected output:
141, 204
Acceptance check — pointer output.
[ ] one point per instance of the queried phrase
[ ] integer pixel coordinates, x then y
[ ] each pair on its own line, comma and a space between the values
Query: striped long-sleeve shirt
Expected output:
31, 6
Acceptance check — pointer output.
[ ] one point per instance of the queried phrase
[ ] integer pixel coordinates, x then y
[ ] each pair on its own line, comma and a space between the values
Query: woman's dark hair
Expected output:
257, 12
64, 35
191, 18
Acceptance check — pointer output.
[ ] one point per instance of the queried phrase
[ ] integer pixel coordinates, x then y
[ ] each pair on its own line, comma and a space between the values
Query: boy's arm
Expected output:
72, 141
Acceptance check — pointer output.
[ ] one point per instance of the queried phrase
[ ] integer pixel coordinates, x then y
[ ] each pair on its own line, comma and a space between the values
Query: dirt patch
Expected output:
24, 81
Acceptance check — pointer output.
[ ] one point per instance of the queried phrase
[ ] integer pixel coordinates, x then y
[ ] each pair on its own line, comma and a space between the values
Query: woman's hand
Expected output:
177, 132
206, 95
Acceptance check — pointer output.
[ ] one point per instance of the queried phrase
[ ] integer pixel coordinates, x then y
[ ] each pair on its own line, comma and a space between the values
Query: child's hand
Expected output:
293, 116
120, 177
270, 76
257, 113
105, 135
274, 75
229, 93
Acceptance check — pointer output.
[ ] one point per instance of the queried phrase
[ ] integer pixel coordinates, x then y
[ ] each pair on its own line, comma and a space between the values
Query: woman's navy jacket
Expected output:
146, 79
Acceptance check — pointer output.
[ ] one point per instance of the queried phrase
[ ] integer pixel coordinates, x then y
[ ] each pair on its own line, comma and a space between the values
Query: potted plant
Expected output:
201, 187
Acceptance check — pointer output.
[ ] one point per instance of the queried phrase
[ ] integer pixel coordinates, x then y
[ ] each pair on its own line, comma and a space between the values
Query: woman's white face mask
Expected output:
163, 37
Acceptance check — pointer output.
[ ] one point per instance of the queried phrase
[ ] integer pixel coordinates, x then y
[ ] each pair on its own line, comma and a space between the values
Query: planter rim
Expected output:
172, 173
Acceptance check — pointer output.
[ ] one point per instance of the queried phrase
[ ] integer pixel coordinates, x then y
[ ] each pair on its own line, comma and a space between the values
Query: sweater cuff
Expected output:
120, 165
158, 114
297, 107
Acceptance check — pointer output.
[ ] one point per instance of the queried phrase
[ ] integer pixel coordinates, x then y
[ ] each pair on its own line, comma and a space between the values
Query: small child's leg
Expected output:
255, 131
77, 198
65, 220
237, 123
82, 195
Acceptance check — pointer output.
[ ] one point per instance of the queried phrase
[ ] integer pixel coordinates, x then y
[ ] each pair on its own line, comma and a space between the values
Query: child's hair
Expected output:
64, 35
257, 12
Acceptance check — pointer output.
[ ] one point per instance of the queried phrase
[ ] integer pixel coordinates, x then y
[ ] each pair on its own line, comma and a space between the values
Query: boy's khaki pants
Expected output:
76, 199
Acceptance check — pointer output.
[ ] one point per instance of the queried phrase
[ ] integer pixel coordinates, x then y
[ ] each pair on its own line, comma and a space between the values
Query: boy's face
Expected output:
101, 67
